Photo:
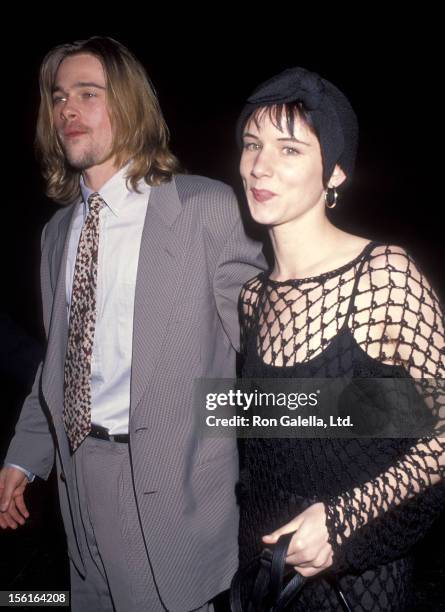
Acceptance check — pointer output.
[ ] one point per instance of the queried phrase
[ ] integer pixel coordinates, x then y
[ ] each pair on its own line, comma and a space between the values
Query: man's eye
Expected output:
89, 94
58, 99
291, 151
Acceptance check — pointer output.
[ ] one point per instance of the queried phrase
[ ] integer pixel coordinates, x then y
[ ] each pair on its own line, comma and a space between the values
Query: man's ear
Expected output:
337, 177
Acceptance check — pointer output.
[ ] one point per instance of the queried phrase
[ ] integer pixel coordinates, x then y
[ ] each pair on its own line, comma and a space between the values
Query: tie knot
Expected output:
95, 203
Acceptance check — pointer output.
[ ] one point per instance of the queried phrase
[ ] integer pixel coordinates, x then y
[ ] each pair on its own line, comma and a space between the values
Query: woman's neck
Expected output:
308, 246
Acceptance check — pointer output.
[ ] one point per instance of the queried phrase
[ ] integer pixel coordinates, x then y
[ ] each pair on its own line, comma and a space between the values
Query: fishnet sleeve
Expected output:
381, 519
247, 304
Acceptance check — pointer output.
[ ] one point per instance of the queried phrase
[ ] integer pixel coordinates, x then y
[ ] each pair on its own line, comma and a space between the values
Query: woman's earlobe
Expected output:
337, 178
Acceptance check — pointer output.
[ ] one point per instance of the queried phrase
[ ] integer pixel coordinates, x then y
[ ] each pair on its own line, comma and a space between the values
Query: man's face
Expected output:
80, 112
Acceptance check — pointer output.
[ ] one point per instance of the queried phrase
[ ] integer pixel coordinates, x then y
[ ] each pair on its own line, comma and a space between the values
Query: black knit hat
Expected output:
332, 116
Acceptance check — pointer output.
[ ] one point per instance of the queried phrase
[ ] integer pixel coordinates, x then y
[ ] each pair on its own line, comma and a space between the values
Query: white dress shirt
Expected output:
121, 223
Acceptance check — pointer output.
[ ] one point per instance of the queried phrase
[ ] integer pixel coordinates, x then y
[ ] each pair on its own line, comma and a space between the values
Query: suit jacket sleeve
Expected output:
32, 446
240, 259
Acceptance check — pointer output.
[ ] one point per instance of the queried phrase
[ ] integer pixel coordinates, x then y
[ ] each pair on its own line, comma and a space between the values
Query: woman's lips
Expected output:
262, 195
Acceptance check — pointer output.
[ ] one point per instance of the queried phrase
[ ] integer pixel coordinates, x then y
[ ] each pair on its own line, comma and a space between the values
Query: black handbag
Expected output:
275, 585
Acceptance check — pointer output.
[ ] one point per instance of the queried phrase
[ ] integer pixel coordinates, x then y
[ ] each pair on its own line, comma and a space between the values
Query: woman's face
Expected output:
282, 174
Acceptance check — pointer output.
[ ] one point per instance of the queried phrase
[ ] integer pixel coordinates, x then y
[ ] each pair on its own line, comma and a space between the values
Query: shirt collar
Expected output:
114, 192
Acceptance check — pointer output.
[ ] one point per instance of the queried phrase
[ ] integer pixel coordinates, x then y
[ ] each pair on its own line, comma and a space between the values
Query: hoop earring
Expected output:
330, 197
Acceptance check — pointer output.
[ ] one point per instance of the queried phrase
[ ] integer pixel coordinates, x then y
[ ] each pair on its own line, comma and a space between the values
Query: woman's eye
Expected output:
57, 100
290, 151
89, 94
251, 146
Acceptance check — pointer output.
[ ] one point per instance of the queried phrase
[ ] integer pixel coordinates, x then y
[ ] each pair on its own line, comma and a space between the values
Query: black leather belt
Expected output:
97, 431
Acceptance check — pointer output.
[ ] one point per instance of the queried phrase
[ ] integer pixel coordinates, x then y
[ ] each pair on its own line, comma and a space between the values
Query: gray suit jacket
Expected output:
194, 257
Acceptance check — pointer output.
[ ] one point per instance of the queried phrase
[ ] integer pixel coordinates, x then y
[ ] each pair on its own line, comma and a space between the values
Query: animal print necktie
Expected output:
77, 405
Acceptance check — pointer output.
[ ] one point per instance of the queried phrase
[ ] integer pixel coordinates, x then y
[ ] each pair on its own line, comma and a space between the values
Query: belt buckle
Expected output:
97, 431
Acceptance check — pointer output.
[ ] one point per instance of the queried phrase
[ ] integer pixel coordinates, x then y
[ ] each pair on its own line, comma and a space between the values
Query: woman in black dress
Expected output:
333, 305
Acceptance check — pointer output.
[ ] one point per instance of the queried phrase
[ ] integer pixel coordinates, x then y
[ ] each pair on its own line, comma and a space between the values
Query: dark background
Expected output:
203, 71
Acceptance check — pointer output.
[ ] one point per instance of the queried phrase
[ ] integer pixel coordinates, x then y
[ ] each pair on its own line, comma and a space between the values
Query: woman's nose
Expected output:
262, 165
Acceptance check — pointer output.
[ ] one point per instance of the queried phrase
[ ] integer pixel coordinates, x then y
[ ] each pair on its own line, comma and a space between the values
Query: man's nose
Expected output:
68, 110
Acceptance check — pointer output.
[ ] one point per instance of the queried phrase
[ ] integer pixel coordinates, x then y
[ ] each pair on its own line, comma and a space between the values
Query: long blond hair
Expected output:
139, 129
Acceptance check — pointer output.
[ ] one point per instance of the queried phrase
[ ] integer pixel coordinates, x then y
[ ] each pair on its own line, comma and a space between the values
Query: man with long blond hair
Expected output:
140, 275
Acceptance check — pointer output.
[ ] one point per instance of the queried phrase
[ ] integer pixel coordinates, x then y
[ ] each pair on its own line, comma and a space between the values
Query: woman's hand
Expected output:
309, 550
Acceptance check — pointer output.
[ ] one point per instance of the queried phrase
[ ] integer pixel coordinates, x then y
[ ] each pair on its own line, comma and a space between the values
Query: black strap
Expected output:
270, 568
268, 581
237, 581
278, 564
261, 586
290, 591
366, 251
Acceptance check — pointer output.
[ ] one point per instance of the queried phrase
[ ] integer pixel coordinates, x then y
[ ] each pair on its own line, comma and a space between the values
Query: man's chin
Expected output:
80, 163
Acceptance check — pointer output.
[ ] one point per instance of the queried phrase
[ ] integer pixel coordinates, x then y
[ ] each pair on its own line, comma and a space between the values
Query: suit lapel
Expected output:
52, 374
158, 276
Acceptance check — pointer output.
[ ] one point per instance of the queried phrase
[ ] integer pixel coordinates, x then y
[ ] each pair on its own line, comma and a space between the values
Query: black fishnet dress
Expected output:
376, 316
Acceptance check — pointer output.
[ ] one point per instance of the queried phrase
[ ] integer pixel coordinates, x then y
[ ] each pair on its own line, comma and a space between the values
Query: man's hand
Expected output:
13, 510
309, 550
